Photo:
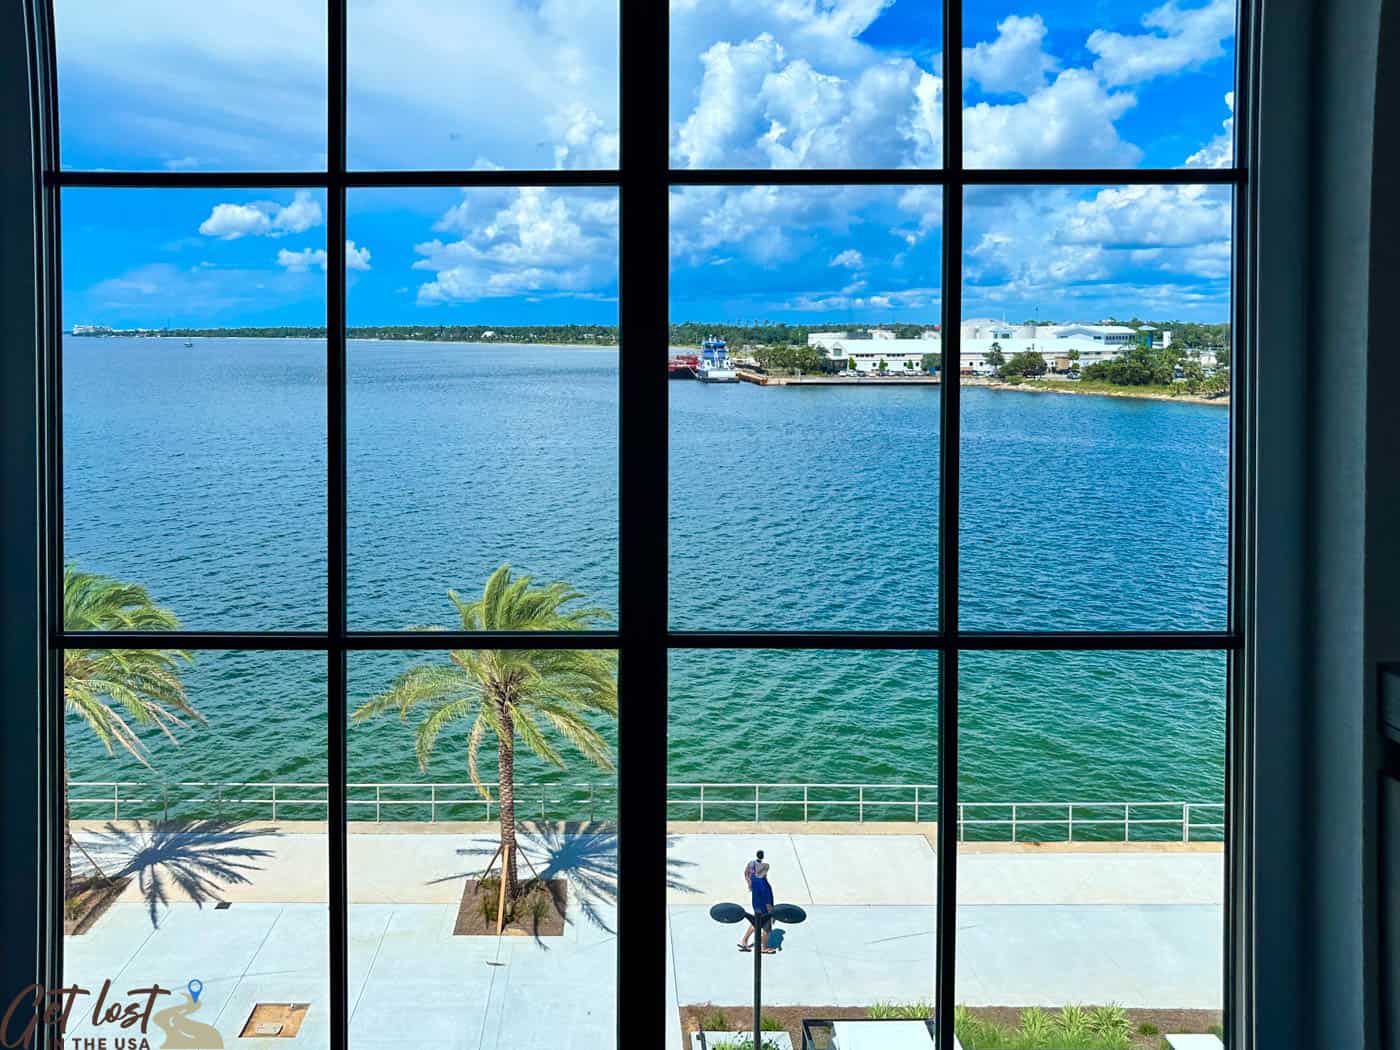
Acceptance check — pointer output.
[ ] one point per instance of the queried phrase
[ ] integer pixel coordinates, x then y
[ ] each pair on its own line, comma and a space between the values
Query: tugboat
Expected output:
714, 362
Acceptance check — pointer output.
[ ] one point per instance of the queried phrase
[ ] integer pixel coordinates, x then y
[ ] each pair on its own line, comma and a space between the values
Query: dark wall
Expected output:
19, 517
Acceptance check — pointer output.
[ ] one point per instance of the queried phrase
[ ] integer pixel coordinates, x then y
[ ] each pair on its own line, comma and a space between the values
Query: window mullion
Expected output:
336, 564
948, 475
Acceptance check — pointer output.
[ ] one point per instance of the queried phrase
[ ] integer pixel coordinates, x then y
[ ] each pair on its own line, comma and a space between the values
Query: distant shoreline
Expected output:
176, 337
1033, 386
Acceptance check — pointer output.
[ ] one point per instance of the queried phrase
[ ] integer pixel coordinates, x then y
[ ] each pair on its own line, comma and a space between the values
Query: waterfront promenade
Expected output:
1137, 925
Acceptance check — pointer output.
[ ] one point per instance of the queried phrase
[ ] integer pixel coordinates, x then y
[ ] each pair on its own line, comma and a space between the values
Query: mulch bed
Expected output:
791, 1017
91, 898
474, 920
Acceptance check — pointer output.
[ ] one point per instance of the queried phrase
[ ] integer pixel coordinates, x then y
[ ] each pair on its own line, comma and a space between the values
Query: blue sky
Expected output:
163, 84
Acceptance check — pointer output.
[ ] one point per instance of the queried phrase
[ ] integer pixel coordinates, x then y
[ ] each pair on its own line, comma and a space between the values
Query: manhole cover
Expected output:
274, 1021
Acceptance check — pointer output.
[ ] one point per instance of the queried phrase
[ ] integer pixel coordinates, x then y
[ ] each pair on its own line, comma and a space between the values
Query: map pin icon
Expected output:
195, 988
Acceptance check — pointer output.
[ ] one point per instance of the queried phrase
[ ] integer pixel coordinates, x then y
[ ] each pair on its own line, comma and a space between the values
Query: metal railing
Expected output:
703, 802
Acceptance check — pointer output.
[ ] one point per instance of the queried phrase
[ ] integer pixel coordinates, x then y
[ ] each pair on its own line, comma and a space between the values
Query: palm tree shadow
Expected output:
196, 858
584, 853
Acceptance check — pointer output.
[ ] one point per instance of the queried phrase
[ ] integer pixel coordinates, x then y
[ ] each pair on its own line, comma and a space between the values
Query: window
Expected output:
872, 394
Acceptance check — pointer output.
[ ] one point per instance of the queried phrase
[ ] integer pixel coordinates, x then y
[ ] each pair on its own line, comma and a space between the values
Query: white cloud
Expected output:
262, 218
1184, 39
356, 258
300, 262
531, 241
850, 259
307, 258
1219, 152
1053, 248
1014, 61
1069, 124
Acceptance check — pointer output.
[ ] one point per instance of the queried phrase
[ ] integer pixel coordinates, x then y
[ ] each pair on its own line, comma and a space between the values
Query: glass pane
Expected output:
194, 401
1091, 866
1106, 508
426, 838
482, 399
483, 84
804, 463
168, 85
822, 765
806, 85
1137, 83
198, 858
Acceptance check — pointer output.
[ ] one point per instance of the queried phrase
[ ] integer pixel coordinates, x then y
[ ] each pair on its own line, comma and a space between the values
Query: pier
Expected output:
761, 379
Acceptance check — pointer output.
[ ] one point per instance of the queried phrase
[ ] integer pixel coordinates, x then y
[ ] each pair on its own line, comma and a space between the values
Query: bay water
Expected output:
200, 472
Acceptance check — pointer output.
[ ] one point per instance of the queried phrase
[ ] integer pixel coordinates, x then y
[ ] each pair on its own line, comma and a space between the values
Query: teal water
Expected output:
201, 473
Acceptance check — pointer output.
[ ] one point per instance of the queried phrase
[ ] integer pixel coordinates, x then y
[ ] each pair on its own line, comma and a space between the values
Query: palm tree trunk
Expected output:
505, 764
67, 837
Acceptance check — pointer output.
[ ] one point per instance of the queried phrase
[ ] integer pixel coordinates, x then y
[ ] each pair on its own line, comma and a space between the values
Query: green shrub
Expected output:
1217, 1030
916, 1011
488, 893
714, 1021
770, 1024
1110, 1023
1072, 1022
1036, 1027
1148, 1028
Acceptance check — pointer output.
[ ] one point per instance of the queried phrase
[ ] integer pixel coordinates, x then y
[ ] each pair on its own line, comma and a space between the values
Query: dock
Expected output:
760, 379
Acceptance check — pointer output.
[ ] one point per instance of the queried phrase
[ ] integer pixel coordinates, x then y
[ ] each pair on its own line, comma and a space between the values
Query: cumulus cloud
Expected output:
1179, 39
1014, 61
850, 259
533, 242
1050, 247
1069, 124
356, 258
262, 218
300, 262
1219, 152
758, 107
308, 258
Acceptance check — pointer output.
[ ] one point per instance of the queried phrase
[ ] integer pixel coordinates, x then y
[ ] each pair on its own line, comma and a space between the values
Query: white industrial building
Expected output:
1094, 343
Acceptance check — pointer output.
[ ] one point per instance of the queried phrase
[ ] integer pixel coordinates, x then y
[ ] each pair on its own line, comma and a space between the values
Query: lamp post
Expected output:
730, 913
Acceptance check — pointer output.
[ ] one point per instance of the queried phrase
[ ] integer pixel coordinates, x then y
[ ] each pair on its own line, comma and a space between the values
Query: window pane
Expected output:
1105, 914
1141, 83
194, 433
827, 762
482, 400
809, 500
424, 876
1106, 508
806, 85
199, 859
486, 83
168, 85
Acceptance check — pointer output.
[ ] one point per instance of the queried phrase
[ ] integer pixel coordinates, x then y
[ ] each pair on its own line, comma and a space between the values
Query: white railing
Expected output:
861, 803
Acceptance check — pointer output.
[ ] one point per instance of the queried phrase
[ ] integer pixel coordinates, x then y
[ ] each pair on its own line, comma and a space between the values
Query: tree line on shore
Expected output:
1139, 366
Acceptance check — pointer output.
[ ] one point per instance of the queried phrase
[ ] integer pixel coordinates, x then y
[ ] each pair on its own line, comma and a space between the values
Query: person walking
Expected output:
761, 893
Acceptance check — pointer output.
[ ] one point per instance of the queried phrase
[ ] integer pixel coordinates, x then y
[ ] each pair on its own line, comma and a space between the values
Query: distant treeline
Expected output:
689, 333
596, 334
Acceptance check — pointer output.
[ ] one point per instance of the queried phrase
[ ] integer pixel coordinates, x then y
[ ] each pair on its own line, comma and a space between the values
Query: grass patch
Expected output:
916, 1011
1070, 1028
1148, 1028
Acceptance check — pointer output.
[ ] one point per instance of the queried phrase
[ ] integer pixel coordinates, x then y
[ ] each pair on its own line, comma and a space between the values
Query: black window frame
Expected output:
642, 639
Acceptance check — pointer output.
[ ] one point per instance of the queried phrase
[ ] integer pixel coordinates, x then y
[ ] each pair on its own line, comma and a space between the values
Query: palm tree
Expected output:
511, 692
115, 691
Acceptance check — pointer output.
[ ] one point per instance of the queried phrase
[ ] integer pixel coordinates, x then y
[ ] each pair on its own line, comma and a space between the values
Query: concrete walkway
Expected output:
1141, 928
